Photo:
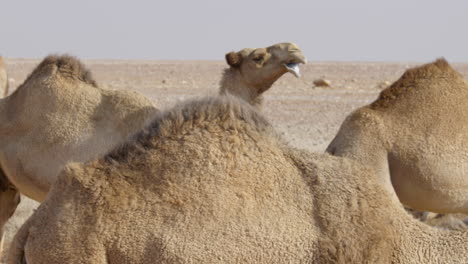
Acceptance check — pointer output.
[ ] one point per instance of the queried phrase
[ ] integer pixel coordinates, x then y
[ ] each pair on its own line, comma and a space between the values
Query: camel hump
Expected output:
436, 69
417, 78
228, 112
65, 66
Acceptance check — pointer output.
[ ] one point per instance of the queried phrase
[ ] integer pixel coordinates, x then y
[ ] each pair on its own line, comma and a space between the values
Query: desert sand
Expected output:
307, 116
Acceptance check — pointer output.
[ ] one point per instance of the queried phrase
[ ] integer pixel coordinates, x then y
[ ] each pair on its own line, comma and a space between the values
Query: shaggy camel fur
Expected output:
211, 182
59, 115
253, 71
416, 136
3, 79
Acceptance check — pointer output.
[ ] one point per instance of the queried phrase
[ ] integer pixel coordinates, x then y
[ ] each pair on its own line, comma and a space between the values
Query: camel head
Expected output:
257, 69
263, 66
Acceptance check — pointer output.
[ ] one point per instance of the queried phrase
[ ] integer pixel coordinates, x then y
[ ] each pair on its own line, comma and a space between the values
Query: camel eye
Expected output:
258, 59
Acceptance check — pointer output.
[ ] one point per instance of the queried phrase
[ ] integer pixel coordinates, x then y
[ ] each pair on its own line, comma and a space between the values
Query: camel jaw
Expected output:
293, 68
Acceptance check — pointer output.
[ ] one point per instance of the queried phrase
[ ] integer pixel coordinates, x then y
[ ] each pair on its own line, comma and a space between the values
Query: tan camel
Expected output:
416, 136
253, 71
59, 115
211, 182
3, 78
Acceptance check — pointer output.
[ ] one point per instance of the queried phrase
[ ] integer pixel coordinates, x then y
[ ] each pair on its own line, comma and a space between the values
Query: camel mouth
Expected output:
293, 68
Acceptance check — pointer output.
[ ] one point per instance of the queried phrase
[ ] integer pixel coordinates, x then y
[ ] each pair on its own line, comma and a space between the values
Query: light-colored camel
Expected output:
253, 71
416, 136
58, 115
211, 182
3, 78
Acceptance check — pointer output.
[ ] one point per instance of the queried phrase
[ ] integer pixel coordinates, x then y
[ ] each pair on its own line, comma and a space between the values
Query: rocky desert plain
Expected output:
308, 116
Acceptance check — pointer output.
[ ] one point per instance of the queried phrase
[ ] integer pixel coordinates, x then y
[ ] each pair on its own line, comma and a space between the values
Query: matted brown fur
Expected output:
410, 80
65, 65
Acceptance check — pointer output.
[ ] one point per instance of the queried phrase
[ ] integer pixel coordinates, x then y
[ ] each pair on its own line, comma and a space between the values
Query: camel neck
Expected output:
232, 83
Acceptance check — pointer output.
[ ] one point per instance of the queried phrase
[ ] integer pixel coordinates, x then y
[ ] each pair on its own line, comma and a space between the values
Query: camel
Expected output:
210, 181
3, 78
251, 72
59, 115
415, 135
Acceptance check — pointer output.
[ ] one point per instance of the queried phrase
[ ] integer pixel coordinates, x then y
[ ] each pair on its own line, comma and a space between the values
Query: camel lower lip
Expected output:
293, 68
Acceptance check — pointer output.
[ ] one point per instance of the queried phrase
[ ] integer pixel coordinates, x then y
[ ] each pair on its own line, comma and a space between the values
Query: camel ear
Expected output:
233, 59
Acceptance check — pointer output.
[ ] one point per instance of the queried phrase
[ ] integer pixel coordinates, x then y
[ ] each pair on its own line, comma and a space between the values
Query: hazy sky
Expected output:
362, 30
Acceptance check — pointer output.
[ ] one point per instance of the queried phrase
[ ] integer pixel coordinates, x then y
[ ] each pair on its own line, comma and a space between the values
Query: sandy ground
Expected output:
308, 117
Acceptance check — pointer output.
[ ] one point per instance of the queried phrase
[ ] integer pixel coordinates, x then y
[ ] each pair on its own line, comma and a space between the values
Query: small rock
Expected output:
163, 81
322, 83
